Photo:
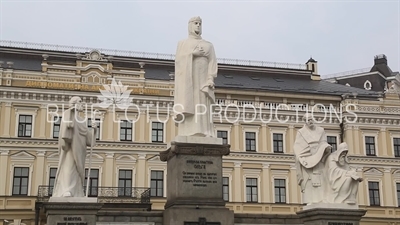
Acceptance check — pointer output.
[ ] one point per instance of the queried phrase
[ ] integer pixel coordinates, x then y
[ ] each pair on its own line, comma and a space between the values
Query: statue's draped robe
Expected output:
309, 148
191, 76
72, 143
343, 186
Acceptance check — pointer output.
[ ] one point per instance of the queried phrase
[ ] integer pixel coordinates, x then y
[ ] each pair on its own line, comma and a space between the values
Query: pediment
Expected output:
95, 157
155, 160
396, 173
53, 155
373, 172
125, 157
22, 155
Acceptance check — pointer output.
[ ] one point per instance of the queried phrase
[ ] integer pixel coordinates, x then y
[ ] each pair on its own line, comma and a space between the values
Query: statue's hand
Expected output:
211, 84
360, 179
69, 124
199, 51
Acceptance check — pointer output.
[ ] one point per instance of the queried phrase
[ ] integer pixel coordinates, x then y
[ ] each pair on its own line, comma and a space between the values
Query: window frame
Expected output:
227, 136
252, 173
126, 128
367, 145
156, 188
223, 127
19, 124
336, 141
282, 141
280, 187
90, 182
251, 188
379, 192
370, 133
50, 178
163, 132
256, 130
54, 124
393, 145
25, 111
99, 133
20, 181
125, 186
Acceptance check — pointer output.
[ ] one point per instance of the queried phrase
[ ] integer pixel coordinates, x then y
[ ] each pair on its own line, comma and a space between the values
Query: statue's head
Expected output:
76, 102
195, 26
309, 120
341, 153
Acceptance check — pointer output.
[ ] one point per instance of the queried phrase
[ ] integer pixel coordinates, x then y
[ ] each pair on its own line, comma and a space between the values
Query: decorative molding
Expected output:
40, 153
126, 158
142, 156
22, 155
373, 172
237, 164
109, 155
4, 152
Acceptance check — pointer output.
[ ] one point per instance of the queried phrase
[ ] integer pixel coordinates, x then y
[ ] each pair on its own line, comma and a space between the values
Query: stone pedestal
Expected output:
71, 213
331, 216
194, 183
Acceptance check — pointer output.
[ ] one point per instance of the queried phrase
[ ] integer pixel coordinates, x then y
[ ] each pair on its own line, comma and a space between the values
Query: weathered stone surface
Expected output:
71, 213
179, 215
324, 216
181, 148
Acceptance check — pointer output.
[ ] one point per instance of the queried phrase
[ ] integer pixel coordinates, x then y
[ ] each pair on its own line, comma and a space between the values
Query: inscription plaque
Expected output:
340, 223
72, 220
202, 221
197, 174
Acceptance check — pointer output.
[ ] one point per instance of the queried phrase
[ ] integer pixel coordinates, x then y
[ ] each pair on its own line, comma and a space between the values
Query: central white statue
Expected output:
74, 137
195, 70
311, 149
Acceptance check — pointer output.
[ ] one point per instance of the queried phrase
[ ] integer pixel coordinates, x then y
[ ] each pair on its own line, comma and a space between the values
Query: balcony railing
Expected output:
106, 194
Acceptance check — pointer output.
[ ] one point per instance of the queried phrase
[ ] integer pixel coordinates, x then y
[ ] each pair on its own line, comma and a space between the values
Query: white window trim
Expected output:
252, 173
396, 179
223, 127
227, 172
100, 168
370, 134
280, 174
49, 166
392, 136
30, 174
119, 130
246, 128
368, 179
151, 130
124, 167
278, 130
337, 135
99, 126
158, 168
125, 164
25, 111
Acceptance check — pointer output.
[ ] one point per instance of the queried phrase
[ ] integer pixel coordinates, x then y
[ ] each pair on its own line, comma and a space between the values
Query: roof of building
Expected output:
235, 77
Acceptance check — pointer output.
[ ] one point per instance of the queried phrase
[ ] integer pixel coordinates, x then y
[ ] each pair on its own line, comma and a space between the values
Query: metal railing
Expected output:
124, 53
106, 194
346, 73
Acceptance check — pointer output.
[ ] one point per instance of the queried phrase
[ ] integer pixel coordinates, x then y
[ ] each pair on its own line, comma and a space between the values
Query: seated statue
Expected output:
343, 180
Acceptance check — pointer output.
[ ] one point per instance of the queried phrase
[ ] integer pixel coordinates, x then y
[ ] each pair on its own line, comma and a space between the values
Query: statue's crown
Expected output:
193, 19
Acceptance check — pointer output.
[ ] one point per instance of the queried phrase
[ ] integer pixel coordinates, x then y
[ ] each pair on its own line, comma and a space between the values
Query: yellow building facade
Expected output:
259, 174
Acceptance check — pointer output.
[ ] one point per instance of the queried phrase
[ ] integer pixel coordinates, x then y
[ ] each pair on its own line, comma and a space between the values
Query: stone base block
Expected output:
71, 213
198, 215
330, 206
331, 216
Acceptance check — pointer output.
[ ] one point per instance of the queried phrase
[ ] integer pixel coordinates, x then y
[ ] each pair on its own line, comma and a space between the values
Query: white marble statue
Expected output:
195, 70
74, 137
311, 149
343, 181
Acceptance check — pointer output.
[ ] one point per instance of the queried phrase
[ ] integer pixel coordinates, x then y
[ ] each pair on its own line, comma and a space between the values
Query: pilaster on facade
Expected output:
237, 188
266, 189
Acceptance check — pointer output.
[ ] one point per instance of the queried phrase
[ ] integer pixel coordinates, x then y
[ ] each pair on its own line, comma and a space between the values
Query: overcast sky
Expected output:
340, 35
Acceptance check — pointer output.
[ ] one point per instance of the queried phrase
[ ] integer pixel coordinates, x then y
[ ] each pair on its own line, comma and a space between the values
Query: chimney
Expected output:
380, 59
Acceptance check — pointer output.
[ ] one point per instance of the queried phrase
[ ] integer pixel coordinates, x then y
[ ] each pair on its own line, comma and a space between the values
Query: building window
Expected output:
278, 143
370, 145
398, 193
251, 190
157, 132
56, 127
52, 179
224, 135
225, 188
250, 141
93, 182
280, 190
125, 132
20, 181
333, 142
98, 127
157, 184
125, 183
25, 126
373, 188
396, 147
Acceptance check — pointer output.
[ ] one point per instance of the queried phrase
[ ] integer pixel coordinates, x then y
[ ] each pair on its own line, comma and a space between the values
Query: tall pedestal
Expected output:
71, 213
331, 216
194, 183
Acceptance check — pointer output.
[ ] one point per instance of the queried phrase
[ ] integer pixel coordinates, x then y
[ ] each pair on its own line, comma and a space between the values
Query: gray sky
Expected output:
340, 35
